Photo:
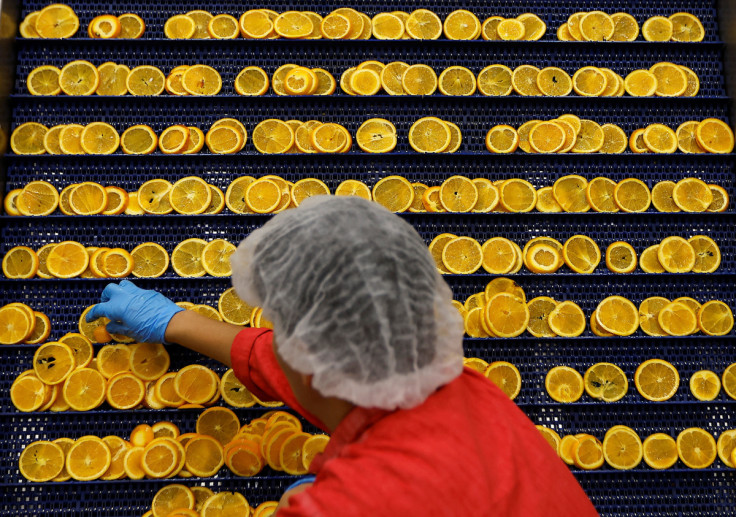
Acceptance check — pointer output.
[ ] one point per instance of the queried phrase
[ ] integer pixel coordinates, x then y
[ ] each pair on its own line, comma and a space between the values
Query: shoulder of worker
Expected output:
467, 450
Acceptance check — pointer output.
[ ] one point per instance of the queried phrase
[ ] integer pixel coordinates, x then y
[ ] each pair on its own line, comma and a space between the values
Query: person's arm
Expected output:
201, 334
149, 317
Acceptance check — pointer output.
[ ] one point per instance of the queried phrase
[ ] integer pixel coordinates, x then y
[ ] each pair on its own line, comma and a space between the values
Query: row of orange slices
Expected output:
125, 376
272, 194
19, 323
599, 26
656, 380
622, 448
569, 133
60, 21
275, 439
81, 78
580, 253
460, 255
502, 310
178, 500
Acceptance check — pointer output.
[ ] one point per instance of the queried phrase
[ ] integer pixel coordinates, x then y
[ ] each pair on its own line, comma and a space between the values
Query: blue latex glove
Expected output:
305, 479
135, 312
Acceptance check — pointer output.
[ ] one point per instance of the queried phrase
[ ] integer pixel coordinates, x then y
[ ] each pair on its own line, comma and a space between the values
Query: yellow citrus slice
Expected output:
606, 382
495, 80
423, 24
705, 385
625, 27
696, 448
132, 26
662, 197
715, 318
186, 259
686, 27
600, 194
581, 254
56, 21
648, 312
153, 197
429, 135
622, 448
146, 80
657, 28
458, 194
597, 26
511, 29
621, 257
677, 319
567, 320
190, 195
707, 254
564, 384
589, 81
216, 257
506, 376
524, 80
692, 195
590, 137
502, 139
715, 136
462, 255
28, 138
518, 195
41, 461
506, 315
656, 380
458, 81
676, 255
660, 451
618, 316
539, 311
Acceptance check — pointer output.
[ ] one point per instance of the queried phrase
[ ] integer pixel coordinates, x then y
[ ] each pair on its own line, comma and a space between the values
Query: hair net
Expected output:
356, 301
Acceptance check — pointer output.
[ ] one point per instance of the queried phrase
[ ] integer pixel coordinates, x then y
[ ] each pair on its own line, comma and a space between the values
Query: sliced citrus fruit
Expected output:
606, 382
696, 448
656, 380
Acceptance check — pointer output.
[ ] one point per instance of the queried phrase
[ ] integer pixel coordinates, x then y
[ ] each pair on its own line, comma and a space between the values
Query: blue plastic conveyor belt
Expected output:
640, 492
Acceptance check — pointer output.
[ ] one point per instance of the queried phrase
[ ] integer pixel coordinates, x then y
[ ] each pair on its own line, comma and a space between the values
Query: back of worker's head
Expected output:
355, 299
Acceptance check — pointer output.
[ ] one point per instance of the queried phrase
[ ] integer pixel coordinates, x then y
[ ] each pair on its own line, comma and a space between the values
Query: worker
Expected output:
367, 346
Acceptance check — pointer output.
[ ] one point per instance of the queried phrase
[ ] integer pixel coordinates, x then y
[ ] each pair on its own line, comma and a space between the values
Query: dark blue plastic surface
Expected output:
680, 491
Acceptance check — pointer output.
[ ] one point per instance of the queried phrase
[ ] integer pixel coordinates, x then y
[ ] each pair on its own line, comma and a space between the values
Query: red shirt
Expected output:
466, 450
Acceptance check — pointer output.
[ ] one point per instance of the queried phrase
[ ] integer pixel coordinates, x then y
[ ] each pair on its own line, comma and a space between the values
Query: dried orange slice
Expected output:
502, 139
606, 382
132, 26
506, 376
657, 28
686, 27
88, 458
146, 80
660, 451
524, 80
56, 21
567, 320
589, 81
656, 380
496, 80
632, 195
506, 315
20, 262
41, 461
696, 448
715, 136
429, 135
618, 316
564, 384
622, 448
715, 318
423, 24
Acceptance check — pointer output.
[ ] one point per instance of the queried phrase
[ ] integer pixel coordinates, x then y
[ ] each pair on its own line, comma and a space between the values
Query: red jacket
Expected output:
467, 450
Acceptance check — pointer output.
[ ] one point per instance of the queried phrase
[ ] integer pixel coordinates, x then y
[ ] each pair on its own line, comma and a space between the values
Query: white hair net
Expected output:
355, 299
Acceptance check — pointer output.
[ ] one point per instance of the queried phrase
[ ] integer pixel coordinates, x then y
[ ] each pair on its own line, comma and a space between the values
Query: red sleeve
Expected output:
255, 365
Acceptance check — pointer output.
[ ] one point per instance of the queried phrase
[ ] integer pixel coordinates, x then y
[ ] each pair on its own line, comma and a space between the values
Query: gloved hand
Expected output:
135, 312
302, 481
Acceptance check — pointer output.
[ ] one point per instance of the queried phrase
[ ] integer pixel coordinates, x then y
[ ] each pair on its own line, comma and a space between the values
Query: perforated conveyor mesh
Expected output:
643, 491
